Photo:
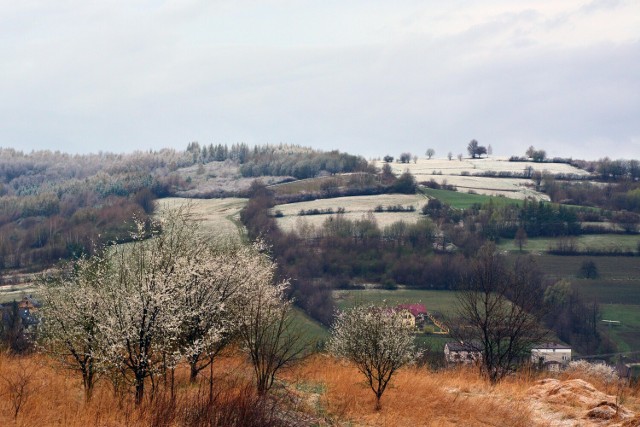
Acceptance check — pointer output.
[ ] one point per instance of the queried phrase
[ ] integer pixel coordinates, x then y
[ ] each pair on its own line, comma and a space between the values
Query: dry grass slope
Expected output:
319, 391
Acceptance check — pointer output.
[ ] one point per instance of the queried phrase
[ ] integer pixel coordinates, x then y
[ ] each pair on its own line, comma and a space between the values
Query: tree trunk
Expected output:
173, 383
87, 380
139, 389
211, 382
193, 364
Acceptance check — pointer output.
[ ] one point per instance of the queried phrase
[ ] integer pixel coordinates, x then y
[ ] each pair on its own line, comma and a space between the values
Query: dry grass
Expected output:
54, 397
217, 217
319, 391
417, 397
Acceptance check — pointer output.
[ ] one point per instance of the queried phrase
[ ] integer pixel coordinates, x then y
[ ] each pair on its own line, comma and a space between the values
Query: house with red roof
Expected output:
412, 314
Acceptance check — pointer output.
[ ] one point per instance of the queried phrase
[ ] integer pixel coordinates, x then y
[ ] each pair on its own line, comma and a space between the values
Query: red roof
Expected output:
415, 309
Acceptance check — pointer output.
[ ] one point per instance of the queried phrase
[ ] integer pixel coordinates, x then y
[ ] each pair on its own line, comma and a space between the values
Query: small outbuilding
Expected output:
551, 356
460, 352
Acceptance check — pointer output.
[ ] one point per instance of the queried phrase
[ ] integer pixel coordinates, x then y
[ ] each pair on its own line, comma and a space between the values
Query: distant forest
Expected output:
56, 206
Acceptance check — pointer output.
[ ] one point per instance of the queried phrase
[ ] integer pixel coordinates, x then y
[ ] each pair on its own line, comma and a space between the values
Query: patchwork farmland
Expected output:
355, 208
464, 175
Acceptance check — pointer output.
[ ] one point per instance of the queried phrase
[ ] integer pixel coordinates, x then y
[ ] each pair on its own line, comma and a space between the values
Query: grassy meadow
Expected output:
627, 334
462, 200
610, 268
598, 242
443, 302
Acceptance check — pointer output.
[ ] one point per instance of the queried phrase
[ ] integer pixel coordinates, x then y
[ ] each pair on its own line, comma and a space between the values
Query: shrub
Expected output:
600, 371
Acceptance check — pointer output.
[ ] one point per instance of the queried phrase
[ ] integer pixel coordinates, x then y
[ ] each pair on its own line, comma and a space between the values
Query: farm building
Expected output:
459, 352
412, 314
551, 356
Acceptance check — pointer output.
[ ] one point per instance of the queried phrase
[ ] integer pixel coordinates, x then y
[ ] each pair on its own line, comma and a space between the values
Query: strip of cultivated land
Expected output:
355, 208
461, 174
425, 167
596, 242
217, 217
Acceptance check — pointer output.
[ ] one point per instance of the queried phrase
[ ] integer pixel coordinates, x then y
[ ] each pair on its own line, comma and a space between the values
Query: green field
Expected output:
609, 267
459, 200
609, 292
627, 334
313, 332
600, 242
442, 302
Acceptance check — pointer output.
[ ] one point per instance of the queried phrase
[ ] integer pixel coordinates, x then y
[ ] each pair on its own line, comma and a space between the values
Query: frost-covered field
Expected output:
361, 204
472, 166
297, 223
218, 217
355, 206
450, 171
513, 188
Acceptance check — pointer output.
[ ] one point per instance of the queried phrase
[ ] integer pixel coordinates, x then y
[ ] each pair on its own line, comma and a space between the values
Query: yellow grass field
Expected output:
217, 217
320, 391
356, 207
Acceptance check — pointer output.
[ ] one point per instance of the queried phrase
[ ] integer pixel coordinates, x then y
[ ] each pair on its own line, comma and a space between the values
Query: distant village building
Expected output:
551, 356
19, 322
412, 314
459, 352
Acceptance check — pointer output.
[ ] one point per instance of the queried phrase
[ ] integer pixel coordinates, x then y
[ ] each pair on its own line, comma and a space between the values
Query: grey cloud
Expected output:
118, 81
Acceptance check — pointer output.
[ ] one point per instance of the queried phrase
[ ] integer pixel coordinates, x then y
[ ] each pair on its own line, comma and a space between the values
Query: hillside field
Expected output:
355, 208
462, 200
462, 175
218, 217
627, 334
610, 268
427, 167
442, 302
599, 242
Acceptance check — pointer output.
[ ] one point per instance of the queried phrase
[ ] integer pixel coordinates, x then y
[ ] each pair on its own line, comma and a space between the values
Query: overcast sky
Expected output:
368, 77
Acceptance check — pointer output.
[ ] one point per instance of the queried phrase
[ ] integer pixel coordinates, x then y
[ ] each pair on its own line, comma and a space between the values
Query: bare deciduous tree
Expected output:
521, 238
376, 340
430, 153
499, 309
19, 387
